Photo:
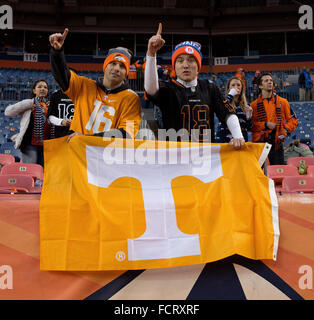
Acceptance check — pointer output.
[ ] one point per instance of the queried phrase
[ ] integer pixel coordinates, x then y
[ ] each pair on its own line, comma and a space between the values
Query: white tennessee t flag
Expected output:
162, 238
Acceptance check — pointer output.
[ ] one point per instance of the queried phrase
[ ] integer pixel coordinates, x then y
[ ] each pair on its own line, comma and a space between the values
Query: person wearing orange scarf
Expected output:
34, 127
273, 119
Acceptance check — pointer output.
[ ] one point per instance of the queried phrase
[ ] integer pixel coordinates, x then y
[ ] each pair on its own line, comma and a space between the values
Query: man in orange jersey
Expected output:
100, 106
273, 119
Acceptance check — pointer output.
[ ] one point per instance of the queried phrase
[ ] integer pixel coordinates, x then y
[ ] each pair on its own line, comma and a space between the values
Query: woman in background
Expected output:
34, 127
236, 97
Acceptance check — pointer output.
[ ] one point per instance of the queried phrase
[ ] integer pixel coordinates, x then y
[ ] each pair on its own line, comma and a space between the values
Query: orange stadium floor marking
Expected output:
19, 239
299, 205
19, 248
19, 219
296, 240
296, 223
297, 220
31, 283
21, 211
287, 267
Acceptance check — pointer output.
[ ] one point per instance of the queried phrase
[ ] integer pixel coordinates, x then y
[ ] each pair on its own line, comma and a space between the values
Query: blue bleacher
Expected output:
15, 85
24, 93
305, 129
8, 148
10, 93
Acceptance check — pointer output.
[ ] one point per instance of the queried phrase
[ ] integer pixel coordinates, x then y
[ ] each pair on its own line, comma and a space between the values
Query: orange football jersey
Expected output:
96, 111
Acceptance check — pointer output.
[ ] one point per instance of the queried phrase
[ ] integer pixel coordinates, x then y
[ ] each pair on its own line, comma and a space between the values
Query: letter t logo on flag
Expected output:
162, 238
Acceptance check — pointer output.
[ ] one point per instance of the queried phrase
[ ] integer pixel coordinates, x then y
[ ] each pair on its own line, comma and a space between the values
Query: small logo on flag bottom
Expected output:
120, 256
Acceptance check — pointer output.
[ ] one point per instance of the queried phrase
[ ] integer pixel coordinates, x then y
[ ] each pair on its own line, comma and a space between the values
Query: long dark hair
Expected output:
242, 99
32, 94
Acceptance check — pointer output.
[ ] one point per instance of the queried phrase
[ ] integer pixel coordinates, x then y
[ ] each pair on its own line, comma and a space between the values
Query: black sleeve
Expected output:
59, 68
248, 124
162, 96
113, 133
53, 105
222, 107
301, 79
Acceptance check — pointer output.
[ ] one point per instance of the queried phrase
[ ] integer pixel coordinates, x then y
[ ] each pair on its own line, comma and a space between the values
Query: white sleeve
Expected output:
151, 85
54, 120
16, 109
233, 125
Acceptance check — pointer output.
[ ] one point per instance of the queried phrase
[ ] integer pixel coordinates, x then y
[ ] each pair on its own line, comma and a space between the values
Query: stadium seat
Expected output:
310, 171
298, 184
7, 148
295, 161
6, 159
16, 183
278, 172
18, 168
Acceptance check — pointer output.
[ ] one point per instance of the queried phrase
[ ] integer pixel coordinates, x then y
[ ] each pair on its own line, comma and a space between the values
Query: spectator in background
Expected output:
165, 73
240, 105
34, 127
254, 83
60, 114
305, 85
297, 149
160, 72
213, 78
301, 82
132, 76
273, 119
241, 74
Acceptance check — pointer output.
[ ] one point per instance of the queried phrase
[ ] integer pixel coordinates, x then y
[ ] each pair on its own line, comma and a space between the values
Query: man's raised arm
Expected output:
155, 43
59, 67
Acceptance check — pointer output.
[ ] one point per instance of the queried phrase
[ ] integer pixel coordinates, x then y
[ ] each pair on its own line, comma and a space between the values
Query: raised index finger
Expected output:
65, 33
159, 29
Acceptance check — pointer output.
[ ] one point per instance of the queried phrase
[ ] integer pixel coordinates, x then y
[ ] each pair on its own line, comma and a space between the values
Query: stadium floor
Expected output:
233, 278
